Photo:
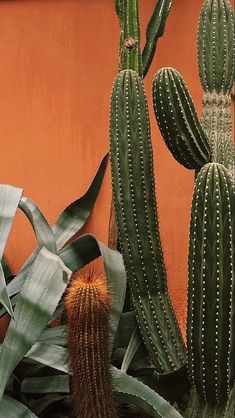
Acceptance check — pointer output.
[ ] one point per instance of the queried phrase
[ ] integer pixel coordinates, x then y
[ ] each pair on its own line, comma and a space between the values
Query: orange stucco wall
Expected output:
58, 62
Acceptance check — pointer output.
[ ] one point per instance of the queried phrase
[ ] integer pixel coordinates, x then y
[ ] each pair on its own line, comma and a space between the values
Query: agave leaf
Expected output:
76, 214
11, 408
4, 297
40, 225
55, 335
50, 355
133, 391
46, 384
132, 348
126, 327
6, 269
37, 301
9, 200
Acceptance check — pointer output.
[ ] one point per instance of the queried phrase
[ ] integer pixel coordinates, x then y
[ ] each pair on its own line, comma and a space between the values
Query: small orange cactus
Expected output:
87, 306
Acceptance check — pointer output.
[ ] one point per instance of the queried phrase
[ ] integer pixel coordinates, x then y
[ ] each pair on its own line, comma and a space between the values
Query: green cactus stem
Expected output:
178, 121
136, 214
154, 31
210, 322
217, 124
87, 307
215, 46
129, 48
198, 408
216, 71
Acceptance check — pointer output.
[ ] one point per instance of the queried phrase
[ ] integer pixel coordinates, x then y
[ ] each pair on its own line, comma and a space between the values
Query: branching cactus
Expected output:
207, 146
87, 307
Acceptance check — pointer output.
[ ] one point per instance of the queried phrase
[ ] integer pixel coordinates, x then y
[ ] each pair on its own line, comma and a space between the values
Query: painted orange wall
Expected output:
58, 62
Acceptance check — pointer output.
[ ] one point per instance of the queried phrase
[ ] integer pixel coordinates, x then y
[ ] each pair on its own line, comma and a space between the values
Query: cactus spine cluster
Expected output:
87, 307
207, 146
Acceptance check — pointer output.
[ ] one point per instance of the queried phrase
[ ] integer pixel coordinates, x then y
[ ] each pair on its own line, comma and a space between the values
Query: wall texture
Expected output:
58, 62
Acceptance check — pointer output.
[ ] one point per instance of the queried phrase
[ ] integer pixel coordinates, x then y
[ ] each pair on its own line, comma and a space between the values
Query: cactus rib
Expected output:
210, 334
135, 208
177, 120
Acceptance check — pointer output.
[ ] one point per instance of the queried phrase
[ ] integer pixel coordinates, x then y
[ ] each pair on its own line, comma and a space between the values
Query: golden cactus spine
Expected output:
87, 306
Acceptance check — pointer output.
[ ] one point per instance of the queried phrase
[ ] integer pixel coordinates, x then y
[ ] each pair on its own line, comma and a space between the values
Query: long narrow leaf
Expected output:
76, 214
9, 200
126, 327
50, 355
4, 297
46, 384
40, 225
37, 301
133, 391
11, 408
132, 348
55, 335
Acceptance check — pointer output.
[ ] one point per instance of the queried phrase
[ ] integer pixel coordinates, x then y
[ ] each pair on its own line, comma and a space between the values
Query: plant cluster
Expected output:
85, 345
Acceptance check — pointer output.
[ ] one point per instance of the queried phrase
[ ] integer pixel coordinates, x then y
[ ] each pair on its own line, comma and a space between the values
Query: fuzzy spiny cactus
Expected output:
87, 307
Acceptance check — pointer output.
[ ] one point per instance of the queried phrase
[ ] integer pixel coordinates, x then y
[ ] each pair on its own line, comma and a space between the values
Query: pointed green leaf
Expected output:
9, 200
76, 214
55, 335
46, 384
11, 408
132, 348
37, 301
50, 355
133, 391
126, 327
4, 298
40, 225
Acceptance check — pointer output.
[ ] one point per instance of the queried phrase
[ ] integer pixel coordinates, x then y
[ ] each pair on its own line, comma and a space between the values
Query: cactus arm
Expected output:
210, 333
135, 208
178, 121
215, 46
129, 49
154, 31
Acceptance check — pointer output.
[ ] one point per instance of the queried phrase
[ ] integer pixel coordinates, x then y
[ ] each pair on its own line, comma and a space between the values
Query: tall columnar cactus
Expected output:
87, 307
207, 146
134, 189
136, 212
